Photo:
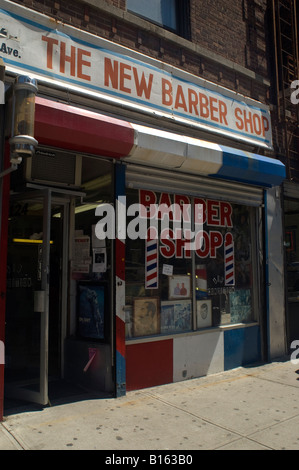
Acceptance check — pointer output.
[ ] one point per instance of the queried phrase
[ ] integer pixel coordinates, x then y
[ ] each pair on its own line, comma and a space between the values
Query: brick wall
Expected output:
233, 30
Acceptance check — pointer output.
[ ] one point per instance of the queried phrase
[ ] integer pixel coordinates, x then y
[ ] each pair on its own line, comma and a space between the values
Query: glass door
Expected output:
34, 298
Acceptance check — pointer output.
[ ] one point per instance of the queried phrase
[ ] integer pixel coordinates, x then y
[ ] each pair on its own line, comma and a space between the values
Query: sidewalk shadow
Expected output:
60, 393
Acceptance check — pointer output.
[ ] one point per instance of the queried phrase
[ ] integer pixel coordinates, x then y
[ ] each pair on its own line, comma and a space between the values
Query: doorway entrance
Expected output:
37, 278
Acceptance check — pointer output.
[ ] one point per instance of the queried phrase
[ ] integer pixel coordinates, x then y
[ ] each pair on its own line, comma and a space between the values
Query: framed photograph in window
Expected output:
175, 316
146, 316
179, 287
204, 313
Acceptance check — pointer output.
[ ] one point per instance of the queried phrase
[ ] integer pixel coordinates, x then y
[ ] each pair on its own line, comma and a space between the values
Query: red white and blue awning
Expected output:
173, 151
73, 128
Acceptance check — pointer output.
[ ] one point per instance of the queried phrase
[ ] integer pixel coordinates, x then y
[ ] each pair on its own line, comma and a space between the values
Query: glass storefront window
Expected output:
224, 276
173, 286
91, 257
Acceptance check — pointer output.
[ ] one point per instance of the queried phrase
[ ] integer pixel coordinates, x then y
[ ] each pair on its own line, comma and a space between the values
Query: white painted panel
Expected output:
169, 150
198, 355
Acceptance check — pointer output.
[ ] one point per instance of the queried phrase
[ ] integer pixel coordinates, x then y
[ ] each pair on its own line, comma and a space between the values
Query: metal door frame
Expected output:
48, 196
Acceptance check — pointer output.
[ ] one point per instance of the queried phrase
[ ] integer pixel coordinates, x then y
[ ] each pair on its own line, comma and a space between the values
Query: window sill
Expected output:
212, 329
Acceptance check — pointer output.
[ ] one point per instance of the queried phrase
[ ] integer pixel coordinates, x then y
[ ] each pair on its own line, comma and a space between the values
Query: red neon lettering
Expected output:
199, 211
164, 208
212, 212
202, 240
180, 246
226, 211
216, 240
182, 203
167, 248
147, 200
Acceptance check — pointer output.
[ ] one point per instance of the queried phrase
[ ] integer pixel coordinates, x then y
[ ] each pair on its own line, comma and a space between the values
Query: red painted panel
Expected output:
120, 249
71, 128
120, 336
149, 364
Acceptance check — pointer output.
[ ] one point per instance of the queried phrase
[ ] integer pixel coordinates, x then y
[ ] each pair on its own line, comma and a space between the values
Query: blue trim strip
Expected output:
120, 375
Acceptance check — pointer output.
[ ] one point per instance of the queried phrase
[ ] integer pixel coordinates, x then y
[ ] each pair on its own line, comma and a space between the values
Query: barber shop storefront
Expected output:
174, 284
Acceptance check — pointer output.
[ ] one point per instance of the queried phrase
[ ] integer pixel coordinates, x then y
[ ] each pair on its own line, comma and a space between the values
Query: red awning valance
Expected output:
71, 128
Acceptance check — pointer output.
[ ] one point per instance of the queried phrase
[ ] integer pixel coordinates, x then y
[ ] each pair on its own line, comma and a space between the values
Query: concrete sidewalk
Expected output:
252, 408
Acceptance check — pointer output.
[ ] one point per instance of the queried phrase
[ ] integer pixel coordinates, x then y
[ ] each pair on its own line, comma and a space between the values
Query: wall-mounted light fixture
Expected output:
22, 141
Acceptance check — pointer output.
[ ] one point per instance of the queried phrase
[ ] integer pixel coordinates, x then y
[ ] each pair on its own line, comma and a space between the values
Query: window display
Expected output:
91, 257
195, 262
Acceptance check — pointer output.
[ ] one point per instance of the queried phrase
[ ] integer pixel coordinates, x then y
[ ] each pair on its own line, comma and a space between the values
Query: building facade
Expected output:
286, 140
143, 242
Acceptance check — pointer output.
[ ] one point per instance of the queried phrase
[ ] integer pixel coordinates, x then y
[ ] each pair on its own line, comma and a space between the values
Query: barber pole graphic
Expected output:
229, 260
151, 263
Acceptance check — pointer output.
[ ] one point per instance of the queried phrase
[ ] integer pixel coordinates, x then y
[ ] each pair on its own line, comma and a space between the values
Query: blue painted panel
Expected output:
241, 346
120, 180
251, 168
120, 375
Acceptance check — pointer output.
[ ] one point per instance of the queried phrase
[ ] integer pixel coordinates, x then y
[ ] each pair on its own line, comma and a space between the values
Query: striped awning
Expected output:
173, 151
69, 127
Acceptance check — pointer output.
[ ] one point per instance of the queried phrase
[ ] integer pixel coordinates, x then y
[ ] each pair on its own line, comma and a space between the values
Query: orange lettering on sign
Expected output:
74, 58
166, 92
125, 78
252, 123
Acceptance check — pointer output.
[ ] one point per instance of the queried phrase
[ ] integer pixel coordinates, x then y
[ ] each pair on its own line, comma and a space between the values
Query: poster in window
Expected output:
91, 311
175, 316
204, 313
240, 306
179, 287
81, 255
99, 264
146, 316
